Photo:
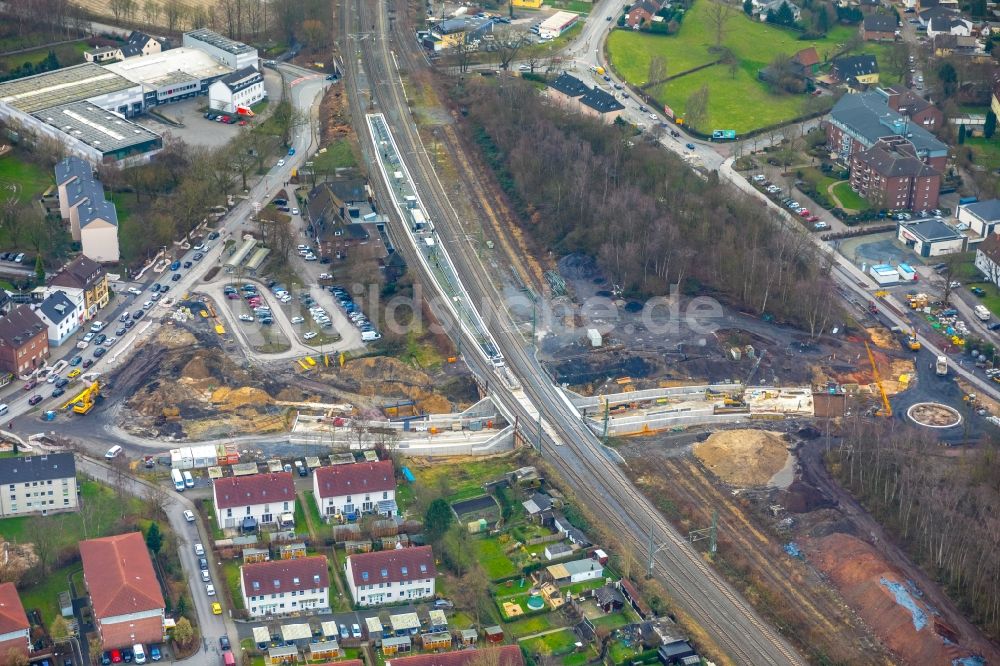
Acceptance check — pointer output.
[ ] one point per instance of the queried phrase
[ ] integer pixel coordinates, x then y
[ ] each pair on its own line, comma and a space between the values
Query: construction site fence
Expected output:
638, 424
498, 443
650, 394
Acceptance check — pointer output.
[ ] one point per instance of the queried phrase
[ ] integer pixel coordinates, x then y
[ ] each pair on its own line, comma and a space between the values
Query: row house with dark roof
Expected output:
572, 93
61, 315
93, 219
24, 341
344, 492
281, 587
391, 576
246, 502
879, 28
90, 278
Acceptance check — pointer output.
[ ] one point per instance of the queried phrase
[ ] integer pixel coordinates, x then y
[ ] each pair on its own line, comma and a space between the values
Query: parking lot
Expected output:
195, 129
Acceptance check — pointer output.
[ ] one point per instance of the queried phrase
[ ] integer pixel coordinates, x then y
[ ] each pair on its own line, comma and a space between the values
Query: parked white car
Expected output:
309, 336
297, 320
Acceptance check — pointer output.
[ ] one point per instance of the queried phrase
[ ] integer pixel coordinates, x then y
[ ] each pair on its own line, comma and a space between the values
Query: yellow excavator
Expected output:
84, 401
911, 341
886, 407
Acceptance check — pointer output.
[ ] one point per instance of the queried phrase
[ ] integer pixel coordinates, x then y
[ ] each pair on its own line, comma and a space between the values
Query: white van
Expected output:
139, 653
188, 479
3, 409
175, 476
368, 336
113, 452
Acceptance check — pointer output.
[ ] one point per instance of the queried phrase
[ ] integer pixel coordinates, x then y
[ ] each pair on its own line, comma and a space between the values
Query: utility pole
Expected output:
710, 533
607, 418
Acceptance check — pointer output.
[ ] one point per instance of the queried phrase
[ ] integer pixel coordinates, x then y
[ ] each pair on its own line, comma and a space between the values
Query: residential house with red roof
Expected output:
391, 576
244, 502
124, 591
343, 491
506, 655
280, 587
15, 631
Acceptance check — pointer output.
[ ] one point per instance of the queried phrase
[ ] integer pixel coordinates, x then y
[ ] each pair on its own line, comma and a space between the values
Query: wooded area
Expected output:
941, 508
582, 186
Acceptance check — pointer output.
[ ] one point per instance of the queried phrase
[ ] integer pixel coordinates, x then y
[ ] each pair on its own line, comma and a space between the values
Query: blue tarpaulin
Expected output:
793, 549
408, 475
904, 599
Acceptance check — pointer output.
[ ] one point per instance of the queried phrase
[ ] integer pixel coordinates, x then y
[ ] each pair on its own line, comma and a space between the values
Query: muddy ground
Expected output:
808, 557
187, 384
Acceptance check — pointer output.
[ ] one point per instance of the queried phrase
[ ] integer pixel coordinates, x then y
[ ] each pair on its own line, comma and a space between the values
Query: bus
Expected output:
175, 475
188, 479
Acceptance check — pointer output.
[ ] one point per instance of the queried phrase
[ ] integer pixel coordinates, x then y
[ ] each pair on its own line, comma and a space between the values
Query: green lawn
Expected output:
577, 6
495, 562
69, 526
338, 154
67, 54
530, 625
300, 515
849, 198
554, 644
460, 481
731, 96
742, 102
231, 572
45, 595
819, 180
612, 621
310, 500
30, 180
986, 151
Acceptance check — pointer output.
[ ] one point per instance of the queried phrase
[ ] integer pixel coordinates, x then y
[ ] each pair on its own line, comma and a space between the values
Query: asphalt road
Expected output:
212, 626
305, 89
573, 448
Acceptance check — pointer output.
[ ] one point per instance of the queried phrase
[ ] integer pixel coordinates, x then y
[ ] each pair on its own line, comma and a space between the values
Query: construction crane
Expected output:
83, 402
886, 407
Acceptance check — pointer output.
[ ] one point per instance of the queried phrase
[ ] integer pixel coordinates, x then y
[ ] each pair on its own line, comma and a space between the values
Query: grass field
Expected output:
535, 624
70, 526
29, 179
338, 155
742, 102
986, 151
231, 572
554, 644
67, 54
849, 198
460, 480
45, 595
495, 562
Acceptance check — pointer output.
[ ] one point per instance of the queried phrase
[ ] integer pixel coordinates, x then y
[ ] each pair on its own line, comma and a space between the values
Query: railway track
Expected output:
598, 481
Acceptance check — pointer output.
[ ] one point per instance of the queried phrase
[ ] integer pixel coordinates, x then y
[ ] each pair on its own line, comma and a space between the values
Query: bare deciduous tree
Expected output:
696, 109
719, 15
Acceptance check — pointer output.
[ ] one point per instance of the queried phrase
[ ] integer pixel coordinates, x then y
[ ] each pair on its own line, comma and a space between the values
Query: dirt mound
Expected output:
196, 369
384, 369
173, 337
434, 404
886, 600
229, 398
803, 498
743, 457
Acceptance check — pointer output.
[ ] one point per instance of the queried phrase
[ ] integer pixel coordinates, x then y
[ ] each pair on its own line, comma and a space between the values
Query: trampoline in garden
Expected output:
535, 602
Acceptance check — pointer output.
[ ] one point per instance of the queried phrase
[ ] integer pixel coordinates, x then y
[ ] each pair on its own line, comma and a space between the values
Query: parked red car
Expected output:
805, 212
30, 385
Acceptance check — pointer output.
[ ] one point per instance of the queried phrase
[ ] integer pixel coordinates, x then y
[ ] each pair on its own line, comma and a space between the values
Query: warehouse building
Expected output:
930, 238
234, 55
172, 75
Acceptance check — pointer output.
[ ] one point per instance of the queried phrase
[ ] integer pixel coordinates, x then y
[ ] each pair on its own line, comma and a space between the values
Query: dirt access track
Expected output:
809, 558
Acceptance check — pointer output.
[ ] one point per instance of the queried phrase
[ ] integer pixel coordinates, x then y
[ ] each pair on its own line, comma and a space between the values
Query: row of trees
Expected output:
651, 222
942, 509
